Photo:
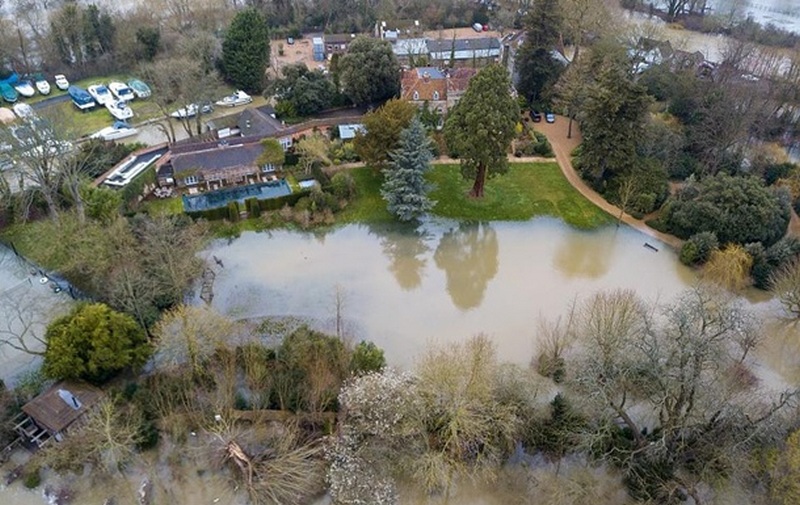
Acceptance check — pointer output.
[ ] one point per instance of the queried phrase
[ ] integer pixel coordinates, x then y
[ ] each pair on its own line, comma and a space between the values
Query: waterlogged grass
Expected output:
526, 191
37, 240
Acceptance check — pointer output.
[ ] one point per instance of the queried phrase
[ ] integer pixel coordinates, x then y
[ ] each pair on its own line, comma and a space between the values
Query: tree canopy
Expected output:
537, 68
245, 50
735, 209
481, 126
369, 71
93, 343
307, 91
383, 127
404, 187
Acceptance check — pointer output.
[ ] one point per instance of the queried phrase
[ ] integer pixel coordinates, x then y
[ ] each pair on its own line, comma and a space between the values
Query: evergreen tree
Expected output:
404, 187
245, 51
369, 71
482, 125
536, 67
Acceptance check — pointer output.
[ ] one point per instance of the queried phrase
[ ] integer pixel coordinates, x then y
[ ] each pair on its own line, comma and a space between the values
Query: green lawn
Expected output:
82, 123
526, 191
163, 206
368, 206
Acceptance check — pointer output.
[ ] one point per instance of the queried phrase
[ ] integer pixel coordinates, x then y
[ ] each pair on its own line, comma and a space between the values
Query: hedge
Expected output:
219, 213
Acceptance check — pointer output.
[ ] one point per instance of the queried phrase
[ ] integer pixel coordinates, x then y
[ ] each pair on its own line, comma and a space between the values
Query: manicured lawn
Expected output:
368, 206
82, 123
164, 206
526, 191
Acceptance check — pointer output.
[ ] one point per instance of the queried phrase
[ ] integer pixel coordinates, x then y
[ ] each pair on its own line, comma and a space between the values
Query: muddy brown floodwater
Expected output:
443, 281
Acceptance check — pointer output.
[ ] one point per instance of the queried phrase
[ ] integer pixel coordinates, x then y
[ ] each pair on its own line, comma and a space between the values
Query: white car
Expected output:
120, 130
25, 88
42, 86
23, 110
237, 98
121, 91
119, 109
100, 93
191, 111
61, 82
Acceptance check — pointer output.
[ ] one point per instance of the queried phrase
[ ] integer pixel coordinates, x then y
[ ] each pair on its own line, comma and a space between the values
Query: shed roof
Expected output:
339, 38
349, 131
54, 409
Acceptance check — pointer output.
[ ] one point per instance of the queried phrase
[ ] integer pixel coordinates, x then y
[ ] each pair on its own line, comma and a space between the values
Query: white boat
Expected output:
42, 86
119, 130
23, 110
25, 88
119, 109
61, 82
237, 98
121, 91
100, 93
191, 111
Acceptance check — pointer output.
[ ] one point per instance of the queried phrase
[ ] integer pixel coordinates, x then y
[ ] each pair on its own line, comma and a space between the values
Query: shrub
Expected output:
542, 146
233, 211
343, 185
253, 209
367, 357
698, 248
32, 477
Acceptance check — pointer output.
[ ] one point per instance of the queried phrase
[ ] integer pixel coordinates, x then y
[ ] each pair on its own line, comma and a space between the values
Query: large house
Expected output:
439, 89
207, 166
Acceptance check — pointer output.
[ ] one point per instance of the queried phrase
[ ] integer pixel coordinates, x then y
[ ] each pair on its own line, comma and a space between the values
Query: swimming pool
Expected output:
221, 197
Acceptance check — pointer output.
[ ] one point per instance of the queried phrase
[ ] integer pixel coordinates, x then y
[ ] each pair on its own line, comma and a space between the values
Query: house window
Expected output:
435, 95
192, 179
269, 167
416, 95
286, 143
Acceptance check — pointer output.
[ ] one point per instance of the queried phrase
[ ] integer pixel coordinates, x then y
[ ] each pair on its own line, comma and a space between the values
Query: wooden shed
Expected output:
51, 414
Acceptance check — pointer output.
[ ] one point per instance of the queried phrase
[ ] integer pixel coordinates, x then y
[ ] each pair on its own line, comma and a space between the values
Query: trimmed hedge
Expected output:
233, 211
219, 213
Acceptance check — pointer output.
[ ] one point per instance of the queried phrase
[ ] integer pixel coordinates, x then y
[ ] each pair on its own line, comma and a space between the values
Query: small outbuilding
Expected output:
52, 413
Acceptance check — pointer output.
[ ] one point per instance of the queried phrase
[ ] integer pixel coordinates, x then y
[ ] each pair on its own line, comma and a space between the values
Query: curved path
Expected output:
556, 134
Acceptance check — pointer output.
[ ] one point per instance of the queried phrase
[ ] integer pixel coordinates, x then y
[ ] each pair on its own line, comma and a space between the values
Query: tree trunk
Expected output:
51, 205
569, 128
480, 182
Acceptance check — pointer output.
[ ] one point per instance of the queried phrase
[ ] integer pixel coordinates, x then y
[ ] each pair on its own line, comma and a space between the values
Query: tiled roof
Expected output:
54, 410
217, 157
423, 85
459, 78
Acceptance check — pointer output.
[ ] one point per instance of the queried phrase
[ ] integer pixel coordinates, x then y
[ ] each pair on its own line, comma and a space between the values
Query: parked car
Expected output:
536, 116
119, 109
237, 98
477, 27
42, 86
25, 88
121, 91
23, 110
100, 93
8, 92
140, 89
191, 110
61, 82
550, 117
119, 130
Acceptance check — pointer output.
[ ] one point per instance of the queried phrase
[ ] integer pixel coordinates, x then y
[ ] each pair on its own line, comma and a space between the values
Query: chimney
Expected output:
426, 76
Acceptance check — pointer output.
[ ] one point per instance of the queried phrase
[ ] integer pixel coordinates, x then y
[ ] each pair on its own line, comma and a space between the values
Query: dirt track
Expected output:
562, 147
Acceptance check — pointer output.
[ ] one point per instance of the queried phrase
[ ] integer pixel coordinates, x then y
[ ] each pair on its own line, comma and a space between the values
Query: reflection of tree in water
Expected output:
468, 256
582, 255
405, 247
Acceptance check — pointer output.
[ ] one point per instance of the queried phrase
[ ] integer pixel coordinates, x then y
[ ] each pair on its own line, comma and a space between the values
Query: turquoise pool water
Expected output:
221, 197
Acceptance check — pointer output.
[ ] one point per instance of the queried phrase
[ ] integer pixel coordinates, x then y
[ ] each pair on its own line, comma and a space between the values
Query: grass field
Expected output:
526, 191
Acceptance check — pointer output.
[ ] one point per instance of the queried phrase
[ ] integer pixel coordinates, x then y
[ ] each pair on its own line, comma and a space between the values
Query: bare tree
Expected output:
785, 285
25, 315
39, 149
188, 336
